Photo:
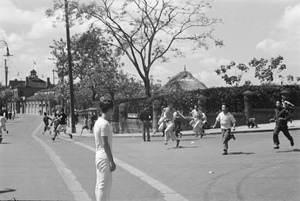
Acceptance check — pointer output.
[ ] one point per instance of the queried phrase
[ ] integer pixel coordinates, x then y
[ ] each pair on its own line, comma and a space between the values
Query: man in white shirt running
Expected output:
227, 121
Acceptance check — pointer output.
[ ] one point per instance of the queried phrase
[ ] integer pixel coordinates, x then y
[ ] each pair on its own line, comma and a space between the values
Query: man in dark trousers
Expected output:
146, 118
282, 116
62, 126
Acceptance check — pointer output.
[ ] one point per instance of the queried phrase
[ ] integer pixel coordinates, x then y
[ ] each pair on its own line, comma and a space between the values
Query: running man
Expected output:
282, 116
169, 116
227, 121
62, 126
46, 122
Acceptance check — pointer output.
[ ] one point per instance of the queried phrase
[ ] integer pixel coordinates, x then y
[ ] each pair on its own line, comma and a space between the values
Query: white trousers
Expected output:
169, 133
104, 180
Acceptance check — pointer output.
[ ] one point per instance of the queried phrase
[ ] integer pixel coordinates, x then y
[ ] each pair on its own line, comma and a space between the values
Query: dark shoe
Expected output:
71, 136
6, 131
53, 138
277, 147
225, 153
292, 142
177, 144
148, 140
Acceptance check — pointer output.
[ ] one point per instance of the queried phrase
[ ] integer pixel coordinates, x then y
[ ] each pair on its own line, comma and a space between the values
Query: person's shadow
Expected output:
238, 153
291, 150
7, 190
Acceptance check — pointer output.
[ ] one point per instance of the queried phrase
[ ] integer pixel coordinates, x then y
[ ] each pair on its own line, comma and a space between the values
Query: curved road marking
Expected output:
169, 194
67, 175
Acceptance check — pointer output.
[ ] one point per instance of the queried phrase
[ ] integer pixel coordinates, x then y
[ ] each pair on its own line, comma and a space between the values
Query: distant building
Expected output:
32, 95
183, 81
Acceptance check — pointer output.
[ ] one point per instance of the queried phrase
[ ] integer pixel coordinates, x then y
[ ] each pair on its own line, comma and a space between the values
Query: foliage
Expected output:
265, 70
145, 31
264, 96
233, 79
96, 68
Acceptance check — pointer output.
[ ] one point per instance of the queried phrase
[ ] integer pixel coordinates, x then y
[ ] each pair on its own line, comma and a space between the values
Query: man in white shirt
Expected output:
227, 121
105, 164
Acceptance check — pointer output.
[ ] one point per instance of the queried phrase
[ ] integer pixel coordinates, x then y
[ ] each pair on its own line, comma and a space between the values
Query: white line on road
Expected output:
169, 194
67, 175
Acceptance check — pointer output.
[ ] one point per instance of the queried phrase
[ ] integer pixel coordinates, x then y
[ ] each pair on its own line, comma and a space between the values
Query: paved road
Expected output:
33, 167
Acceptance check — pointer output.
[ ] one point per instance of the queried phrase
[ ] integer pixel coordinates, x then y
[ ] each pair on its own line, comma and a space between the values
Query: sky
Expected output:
250, 28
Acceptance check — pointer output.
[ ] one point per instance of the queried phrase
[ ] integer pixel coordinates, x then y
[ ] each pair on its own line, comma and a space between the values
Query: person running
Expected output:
85, 126
2, 125
146, 118
55, 123
282, 116
227, 121
104, 160
197, 121
169, 117
46, 122
62, 126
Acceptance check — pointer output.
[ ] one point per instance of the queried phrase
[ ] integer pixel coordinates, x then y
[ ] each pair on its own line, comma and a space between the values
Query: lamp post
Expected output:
70, 68
5, 61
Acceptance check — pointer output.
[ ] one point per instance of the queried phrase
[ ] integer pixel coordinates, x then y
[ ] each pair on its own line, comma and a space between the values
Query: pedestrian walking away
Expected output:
46, 122
169, 117
62, 126
227, 121
105, 164
282, 116
146, 118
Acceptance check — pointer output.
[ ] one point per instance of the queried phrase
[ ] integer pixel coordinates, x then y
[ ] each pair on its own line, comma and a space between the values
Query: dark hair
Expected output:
105, 105
225, 104
45, 113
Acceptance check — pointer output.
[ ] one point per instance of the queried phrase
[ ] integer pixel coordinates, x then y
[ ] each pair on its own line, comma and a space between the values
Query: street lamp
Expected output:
5, 64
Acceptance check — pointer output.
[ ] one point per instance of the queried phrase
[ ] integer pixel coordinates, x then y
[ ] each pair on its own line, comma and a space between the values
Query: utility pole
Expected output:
70, 68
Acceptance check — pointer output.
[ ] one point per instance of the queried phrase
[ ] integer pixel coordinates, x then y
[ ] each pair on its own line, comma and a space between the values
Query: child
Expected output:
105, 164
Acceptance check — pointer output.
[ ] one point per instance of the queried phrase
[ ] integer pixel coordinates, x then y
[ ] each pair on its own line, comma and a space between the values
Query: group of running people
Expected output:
59, 124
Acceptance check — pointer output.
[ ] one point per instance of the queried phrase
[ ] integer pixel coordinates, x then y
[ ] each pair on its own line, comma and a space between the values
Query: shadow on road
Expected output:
286, 151
7, 190
5, 143
237, 153
180, 147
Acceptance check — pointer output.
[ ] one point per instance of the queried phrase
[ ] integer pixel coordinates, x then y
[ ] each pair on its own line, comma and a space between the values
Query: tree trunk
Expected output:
147, 87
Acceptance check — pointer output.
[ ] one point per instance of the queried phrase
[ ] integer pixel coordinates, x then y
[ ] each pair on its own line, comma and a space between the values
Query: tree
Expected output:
233, 79
145, 31
265, 70
95, 66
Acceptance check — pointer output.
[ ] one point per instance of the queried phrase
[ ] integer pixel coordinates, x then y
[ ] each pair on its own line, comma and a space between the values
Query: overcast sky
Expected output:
251, 28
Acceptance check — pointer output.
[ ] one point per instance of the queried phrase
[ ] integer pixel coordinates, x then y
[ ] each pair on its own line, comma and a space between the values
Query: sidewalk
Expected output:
295, 125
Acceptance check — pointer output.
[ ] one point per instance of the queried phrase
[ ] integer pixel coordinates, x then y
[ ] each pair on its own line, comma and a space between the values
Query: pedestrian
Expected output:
85, 125
13, 115
197, 121
55, 123
161, 123
62, 126
3, 121
282, 116
76, 118
92, 122
169, 117
146, 118
105, 164
252, 123
46, 122
227, 121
